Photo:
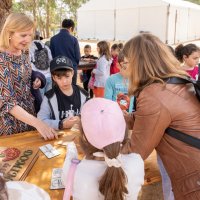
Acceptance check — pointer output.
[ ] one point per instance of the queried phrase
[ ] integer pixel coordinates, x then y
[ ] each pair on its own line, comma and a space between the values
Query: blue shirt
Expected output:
115, 84
64, 44
116, 89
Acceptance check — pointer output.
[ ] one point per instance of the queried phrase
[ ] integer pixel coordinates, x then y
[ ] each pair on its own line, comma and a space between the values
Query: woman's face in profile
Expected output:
20, 40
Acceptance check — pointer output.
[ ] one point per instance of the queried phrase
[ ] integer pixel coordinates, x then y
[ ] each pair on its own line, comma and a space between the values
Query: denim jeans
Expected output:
166, 182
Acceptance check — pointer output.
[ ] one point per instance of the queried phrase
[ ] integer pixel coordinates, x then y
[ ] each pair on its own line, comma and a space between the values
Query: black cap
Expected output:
61, 62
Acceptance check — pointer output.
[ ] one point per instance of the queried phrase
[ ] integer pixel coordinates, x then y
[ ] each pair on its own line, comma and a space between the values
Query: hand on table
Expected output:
45, 131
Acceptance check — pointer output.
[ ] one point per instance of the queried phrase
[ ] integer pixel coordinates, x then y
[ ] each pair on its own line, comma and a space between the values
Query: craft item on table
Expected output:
56, 179
16, 162
49, 151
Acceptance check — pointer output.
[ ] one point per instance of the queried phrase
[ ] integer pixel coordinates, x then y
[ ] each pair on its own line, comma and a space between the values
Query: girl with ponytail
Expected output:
109, 170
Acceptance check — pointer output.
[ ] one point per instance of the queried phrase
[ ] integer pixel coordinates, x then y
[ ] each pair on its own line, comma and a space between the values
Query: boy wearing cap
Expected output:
62, 104
109, 169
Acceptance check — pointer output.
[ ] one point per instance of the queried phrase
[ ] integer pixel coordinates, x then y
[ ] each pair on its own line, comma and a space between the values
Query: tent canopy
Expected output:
124, 4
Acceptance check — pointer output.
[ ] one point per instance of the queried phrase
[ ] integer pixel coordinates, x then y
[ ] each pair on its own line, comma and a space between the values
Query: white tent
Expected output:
172, 21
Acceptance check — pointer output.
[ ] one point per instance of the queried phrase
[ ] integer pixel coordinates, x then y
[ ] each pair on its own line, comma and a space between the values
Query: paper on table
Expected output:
56, 180
49, 151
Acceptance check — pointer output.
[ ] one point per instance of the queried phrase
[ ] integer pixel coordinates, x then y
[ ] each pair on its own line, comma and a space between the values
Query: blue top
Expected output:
64, 44
115, 84
116, 89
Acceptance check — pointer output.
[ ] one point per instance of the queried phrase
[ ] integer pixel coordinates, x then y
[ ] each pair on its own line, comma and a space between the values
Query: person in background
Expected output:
114, 53
86, 74
61, 105
117, 83
109, 170
188, 55
102, 70
38, 47
65, 44
160, 105
120, 46
17, 113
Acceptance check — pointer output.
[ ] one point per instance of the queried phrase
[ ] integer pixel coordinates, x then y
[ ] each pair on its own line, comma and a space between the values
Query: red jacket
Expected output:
113, 67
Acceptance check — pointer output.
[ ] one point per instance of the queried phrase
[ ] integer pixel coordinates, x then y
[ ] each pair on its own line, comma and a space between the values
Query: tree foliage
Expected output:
5, 7
195, 1
48, 14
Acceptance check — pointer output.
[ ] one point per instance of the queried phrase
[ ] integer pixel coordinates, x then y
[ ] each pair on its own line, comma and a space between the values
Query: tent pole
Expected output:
167, 25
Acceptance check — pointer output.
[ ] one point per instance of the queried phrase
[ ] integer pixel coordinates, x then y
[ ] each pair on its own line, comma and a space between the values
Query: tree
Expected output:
73, 6
48, 14
5, 7
195, 1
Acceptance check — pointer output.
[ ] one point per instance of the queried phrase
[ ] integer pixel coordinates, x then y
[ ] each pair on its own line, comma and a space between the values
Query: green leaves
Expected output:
48, 14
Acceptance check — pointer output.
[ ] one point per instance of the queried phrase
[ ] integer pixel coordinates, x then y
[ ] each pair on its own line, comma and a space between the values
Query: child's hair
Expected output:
121, 57
60, 72
115, 47
104, 49
87, 46
113, 182
3, 191
186, 50
171, 49
120, 46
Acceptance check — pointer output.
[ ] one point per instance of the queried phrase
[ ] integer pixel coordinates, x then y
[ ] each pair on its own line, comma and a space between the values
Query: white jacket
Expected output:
102, 71
89, 172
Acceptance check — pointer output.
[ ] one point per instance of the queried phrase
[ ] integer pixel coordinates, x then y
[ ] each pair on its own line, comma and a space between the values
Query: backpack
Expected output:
188, 139
41, 57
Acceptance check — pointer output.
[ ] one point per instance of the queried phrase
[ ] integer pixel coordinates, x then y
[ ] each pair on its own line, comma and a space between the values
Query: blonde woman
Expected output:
161, 105
16, 100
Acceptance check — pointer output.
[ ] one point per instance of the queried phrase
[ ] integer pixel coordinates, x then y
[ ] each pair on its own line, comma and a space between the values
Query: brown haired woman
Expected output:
109, 171
161, 105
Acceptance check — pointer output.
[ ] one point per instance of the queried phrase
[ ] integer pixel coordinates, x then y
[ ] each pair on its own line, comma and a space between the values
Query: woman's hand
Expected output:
37, 83
129, 118
45, 131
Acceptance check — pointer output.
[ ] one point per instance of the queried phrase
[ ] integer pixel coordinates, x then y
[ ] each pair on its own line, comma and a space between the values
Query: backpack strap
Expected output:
188, 139
177, 80
38, 45
84, 92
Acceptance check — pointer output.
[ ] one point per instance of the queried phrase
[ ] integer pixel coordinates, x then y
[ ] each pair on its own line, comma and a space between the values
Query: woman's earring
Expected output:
9, 38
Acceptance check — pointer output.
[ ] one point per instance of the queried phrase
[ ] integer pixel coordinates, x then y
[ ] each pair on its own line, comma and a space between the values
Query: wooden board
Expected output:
16, 162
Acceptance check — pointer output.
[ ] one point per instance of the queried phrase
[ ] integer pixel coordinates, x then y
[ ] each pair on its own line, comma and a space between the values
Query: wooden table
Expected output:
40, 174
84, 65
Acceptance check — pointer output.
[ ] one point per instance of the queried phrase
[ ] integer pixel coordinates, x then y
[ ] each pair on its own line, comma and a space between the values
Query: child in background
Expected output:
86, 74
116, 88
120, 45
62, 104
188, 55
102, 70
109, 169
114, 53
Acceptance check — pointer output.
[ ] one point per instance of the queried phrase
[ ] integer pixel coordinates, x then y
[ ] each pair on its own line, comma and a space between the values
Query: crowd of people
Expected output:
129, 89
